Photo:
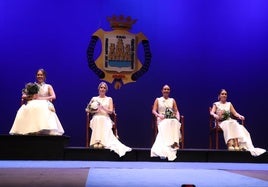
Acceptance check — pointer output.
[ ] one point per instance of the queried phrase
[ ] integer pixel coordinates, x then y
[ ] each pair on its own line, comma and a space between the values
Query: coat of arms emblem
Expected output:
118, 62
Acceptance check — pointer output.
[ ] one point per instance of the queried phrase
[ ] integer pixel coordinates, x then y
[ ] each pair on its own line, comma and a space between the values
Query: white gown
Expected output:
43, 89
232, 129
168, 133
36, 116
101, 125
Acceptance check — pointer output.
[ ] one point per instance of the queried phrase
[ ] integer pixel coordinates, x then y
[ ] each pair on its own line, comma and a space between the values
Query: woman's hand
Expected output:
161, 116
217, 117
104, 109
241, 117
100, 107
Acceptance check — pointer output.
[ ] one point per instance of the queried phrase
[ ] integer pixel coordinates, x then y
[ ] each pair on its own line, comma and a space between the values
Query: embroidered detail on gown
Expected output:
168, 133
232, 129
36, 117
101, 125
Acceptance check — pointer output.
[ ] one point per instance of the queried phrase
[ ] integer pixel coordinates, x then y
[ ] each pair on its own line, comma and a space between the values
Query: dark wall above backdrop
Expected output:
197, 48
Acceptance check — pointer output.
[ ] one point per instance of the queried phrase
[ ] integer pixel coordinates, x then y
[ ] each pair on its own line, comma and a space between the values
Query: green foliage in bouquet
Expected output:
225, 115
30, 89
169, 113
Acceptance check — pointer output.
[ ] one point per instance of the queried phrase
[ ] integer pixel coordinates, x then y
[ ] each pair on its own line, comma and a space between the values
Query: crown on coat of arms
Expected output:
121, 22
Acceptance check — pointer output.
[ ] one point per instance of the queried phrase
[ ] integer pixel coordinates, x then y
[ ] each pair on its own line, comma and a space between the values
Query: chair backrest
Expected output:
113, 117
155, 130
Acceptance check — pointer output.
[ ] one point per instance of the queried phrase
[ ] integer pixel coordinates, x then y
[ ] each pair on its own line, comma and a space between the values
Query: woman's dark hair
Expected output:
221, 91
43, 71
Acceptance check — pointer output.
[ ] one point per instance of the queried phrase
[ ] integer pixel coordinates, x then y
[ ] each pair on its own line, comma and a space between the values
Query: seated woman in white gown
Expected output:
37, 115
46, 91
101, 124
236, 136
167, 140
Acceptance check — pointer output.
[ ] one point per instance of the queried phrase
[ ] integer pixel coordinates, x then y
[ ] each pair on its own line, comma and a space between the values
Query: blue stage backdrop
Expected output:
198, 47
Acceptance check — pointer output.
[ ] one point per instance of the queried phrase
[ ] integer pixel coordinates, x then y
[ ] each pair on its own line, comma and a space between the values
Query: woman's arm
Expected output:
176, 110
236, 114
155, 110
212, 112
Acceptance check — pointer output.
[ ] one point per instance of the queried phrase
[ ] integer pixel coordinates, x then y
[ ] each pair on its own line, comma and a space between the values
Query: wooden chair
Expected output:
155, 130
23, 101
215, 130
113, 117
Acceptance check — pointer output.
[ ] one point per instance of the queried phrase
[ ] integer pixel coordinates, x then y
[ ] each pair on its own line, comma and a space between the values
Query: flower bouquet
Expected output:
92, 106
224, 115
169, 113
30, 90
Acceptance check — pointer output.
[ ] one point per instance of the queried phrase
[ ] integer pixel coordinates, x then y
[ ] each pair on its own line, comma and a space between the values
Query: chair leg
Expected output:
210, 141
87, 138
217, 139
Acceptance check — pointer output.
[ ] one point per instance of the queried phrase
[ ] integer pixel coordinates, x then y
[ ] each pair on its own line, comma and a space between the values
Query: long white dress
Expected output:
43, 89
36, 117
101, 125
232, 129
168, 133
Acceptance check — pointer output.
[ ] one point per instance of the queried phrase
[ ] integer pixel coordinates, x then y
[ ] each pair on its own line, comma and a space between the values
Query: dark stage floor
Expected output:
46, 161
56, 148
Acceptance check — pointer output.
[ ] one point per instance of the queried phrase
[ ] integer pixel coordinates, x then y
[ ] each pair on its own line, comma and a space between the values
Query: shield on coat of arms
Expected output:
120, 52
118, 62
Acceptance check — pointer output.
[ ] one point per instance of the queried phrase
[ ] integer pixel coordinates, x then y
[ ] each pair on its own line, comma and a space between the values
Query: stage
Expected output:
56, 148
49, 161
131, 174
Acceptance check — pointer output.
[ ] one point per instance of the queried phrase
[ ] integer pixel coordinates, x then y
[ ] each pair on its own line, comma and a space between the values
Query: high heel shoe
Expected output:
100, 146
242, 148
236, 148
